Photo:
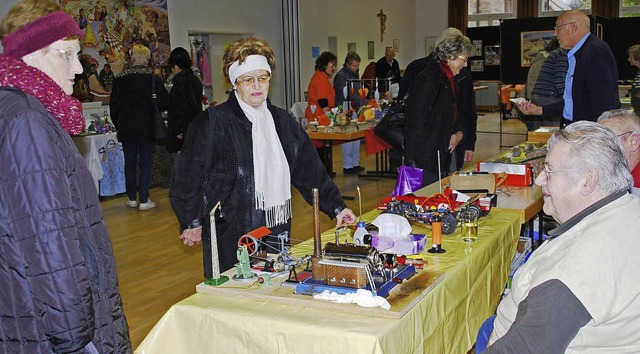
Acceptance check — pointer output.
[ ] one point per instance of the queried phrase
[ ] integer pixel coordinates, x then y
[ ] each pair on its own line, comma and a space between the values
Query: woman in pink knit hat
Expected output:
57, 270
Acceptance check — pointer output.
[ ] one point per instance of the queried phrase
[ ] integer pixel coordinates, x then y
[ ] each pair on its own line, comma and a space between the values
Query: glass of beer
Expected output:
469, 224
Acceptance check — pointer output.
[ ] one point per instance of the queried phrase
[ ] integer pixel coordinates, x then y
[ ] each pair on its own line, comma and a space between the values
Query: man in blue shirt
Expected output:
591, 84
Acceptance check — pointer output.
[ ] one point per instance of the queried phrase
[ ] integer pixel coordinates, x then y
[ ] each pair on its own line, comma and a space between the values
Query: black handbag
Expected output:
390, 128
160, 130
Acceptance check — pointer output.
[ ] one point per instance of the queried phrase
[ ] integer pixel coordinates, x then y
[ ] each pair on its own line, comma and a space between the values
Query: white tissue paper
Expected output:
361, 297
394, 236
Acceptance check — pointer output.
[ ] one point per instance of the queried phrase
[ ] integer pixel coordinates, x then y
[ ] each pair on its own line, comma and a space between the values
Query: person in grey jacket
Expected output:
57, 269
346, 85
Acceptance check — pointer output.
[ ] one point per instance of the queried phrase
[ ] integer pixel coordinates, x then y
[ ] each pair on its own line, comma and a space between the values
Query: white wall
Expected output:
355, 21
262, 18
431, 19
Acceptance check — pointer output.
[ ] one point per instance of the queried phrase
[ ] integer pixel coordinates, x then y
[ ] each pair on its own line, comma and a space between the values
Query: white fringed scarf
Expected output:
270, 166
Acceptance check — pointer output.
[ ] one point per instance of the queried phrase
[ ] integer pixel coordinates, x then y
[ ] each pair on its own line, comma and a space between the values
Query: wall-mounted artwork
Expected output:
315, 52
352, 47
428, 44
477, 48
491, 55
396, 45
371, 50
476, 65
531, 43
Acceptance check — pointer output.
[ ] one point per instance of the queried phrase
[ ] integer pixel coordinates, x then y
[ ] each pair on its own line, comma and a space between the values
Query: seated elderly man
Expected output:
580, 290
626, 125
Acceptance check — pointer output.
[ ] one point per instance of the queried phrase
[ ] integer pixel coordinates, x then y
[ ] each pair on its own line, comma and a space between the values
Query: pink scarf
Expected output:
65, 109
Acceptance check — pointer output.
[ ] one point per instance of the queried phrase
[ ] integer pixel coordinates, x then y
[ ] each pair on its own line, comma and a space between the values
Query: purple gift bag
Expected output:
409, 180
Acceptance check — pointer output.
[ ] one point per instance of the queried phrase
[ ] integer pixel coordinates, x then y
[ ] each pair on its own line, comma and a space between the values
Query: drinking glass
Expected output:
469, 224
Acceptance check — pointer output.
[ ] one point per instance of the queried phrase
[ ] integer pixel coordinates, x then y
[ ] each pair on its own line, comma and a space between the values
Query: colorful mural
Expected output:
110, 29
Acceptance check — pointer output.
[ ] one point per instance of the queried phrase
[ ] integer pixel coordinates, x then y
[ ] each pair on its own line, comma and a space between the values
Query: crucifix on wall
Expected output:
383, 24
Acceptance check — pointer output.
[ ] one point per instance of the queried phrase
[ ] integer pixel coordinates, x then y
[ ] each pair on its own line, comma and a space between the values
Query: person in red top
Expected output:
322, 96
626, 125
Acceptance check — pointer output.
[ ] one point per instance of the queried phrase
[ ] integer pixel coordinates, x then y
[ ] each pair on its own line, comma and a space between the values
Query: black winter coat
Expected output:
466, 102
59, 290
185, 103
429, 120
216, 165
131, 104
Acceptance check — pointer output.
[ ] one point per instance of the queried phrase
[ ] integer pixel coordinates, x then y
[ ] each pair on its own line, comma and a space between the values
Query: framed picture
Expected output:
371, 50
531, 43
492, 55
315, 52
428, 44
396, 45
477, 48
352, 47
476, 65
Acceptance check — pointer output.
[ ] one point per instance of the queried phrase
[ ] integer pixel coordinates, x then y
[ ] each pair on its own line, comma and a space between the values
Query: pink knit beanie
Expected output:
39, 34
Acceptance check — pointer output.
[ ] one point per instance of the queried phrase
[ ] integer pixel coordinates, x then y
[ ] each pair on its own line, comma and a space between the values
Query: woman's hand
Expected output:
468, 156
191, 237
455, 140
530, 109
346, 216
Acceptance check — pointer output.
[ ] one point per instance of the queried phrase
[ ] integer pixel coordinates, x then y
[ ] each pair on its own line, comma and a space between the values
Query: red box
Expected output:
520, 175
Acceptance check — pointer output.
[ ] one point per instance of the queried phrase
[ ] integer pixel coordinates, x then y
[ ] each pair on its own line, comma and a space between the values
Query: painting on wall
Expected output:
396, 45
352, 47
492, 55
531, 43
110, 28
477, 48
428, 44
476, 65
371, 50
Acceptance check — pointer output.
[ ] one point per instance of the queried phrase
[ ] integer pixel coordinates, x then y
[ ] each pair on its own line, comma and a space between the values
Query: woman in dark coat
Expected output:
245, 154
132, 112
185, 98
432, 125
59, 291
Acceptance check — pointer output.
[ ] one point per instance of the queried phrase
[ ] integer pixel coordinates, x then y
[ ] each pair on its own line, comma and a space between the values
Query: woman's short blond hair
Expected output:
242, 48
634, 51
25, 12
140, 55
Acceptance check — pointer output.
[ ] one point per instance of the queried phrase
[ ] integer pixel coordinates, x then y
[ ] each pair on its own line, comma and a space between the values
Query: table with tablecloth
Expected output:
445, 320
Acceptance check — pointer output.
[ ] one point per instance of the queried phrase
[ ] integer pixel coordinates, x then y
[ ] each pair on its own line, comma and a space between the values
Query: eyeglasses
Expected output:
625, 133
332, 65
463, 58
548, 171
250, 80
68, 55
555, 28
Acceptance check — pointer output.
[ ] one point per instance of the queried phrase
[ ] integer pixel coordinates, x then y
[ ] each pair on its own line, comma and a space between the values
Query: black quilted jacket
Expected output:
58, 286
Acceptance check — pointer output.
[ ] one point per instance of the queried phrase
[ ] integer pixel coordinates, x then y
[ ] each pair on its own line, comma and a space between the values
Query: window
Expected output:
556, 7
490, 12
629, 8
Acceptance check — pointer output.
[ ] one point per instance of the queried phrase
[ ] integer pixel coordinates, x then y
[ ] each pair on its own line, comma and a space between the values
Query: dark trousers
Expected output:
138, 156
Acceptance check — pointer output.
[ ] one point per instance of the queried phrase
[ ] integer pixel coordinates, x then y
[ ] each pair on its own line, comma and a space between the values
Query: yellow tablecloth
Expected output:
446, 320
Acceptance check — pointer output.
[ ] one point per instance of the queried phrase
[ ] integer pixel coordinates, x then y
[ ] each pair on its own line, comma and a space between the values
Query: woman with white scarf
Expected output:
245, 154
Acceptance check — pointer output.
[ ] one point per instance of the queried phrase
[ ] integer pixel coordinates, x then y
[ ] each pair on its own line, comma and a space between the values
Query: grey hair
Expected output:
446, 33
595, 147
452, 47
351, 57
626, 119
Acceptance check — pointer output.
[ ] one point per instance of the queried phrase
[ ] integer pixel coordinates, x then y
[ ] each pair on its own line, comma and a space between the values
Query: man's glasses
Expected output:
625, 133
548, 171
68, 55
250, 80
564, 24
